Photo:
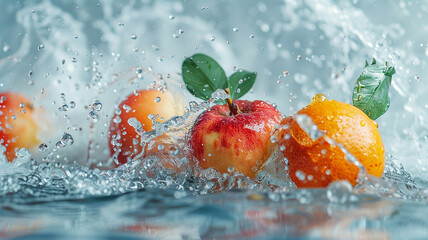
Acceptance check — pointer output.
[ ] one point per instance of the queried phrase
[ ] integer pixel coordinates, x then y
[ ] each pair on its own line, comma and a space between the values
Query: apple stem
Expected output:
234, 110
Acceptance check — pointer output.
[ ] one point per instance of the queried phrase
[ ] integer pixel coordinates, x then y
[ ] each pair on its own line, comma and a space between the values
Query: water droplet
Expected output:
285, 73
230, 169
74, 59
157, 99
318, 98
171, 17
72, 104
67, 139
235, 29
117, 119
93, 115
212, 38
375, 123
133, 36
30, 82
43, 147
273, 139
265, 28
417, 78
6, 48
63, 108
251, 36
21, 105
300, 175
97, 105
40, 47
362, 123
299, 57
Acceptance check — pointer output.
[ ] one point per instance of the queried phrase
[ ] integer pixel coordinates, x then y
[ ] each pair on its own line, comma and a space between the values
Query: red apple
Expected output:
124, 140
17, 127
241, 141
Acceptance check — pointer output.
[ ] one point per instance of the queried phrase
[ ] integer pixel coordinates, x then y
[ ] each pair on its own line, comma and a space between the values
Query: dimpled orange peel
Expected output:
317, 162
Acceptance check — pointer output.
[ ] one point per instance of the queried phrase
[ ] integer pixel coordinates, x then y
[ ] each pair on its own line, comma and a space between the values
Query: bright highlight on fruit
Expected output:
135, 115
17, 127
317, 163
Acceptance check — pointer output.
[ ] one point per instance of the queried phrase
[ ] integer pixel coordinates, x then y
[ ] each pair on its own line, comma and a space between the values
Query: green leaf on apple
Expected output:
203, 76
370, 93
241, 82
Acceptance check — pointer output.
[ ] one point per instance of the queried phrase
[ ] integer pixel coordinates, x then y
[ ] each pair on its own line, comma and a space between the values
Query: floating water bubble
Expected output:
63, 108
157, 99
235, 29
285, 73
41, 47
251, 36
93, 115
133, 36
67, 139
97, 106
212, 38
43, 147
72, 104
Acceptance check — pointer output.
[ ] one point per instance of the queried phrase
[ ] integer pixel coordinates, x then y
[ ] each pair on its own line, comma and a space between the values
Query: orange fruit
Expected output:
316, 162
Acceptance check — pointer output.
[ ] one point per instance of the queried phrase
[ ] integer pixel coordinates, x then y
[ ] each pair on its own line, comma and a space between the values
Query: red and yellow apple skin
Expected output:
241, 141
124, 140
17, 127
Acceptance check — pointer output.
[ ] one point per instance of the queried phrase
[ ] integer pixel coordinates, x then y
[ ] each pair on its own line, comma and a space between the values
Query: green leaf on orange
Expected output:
370, 93
203, 75
241, 82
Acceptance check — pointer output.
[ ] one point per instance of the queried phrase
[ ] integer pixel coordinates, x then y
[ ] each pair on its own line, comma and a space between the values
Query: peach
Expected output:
17, 127
124, 139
